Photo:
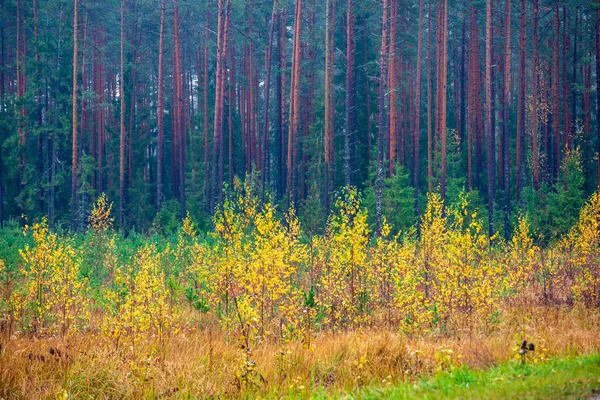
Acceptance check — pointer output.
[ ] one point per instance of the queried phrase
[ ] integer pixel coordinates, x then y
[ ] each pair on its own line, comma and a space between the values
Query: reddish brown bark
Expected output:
222, 32
122, 122
179, 117
160, 114
598, 83
429, 107
267, 87
327, 115
349, 102
392, 85
566, 86
491, 168
74, 117
381, 119
504, 155
205, 108
443, 79
555, 94
534, 97
417, 126
520, 172
293, 119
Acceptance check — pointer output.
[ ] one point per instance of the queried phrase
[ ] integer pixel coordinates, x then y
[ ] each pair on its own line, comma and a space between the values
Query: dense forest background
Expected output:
159, 103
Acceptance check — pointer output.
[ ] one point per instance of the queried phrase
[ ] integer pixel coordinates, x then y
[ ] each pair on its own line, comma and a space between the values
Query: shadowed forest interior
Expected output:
158, 104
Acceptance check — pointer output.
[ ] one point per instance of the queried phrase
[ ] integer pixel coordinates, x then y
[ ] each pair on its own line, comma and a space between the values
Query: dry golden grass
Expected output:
204, 363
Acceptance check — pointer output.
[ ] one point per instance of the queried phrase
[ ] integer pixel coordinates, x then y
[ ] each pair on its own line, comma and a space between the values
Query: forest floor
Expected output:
364, 363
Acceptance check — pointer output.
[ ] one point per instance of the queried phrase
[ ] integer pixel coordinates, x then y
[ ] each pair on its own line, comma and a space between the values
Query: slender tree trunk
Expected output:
417, 126
471, 125
327, 114
21, 89
231, 107
160, 114
555, 94
534, 97
573, 130
223, 27
491, 169
367, 99
443, 79
349, 103
382, 119
429, 107
205, 121
293, 120
282, 101
505, 121
332, 97
267, 87
2, 95
521, 104
255, 163
179, 114
2, 72
132, 101
74, 119
566, 85
122, 122
393, 89
463, 65
598, 84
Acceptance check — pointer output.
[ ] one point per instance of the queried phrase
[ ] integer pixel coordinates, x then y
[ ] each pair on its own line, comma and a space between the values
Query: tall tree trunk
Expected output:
443, 79
349, 103
132, 103
429, 107
160, 114
463, 65
555, 94
2, 72
122, 123
534, 96
573, 130
471, 125
38, 106
521, 104
598, 84
392, 87
282, 101
21, 89
382, 119
367, 98
566, 85
205, 121
491, 169
267, 87
417, 126
232, 105
255, 163
2, 94
223, 27
327, 115
505, 121
293, 120
74, 118
179, 113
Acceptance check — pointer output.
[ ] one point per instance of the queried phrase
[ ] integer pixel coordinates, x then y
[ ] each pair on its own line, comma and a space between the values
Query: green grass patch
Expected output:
562, 378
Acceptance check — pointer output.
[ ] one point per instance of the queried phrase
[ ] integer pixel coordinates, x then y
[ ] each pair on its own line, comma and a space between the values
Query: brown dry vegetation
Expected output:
206, 362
